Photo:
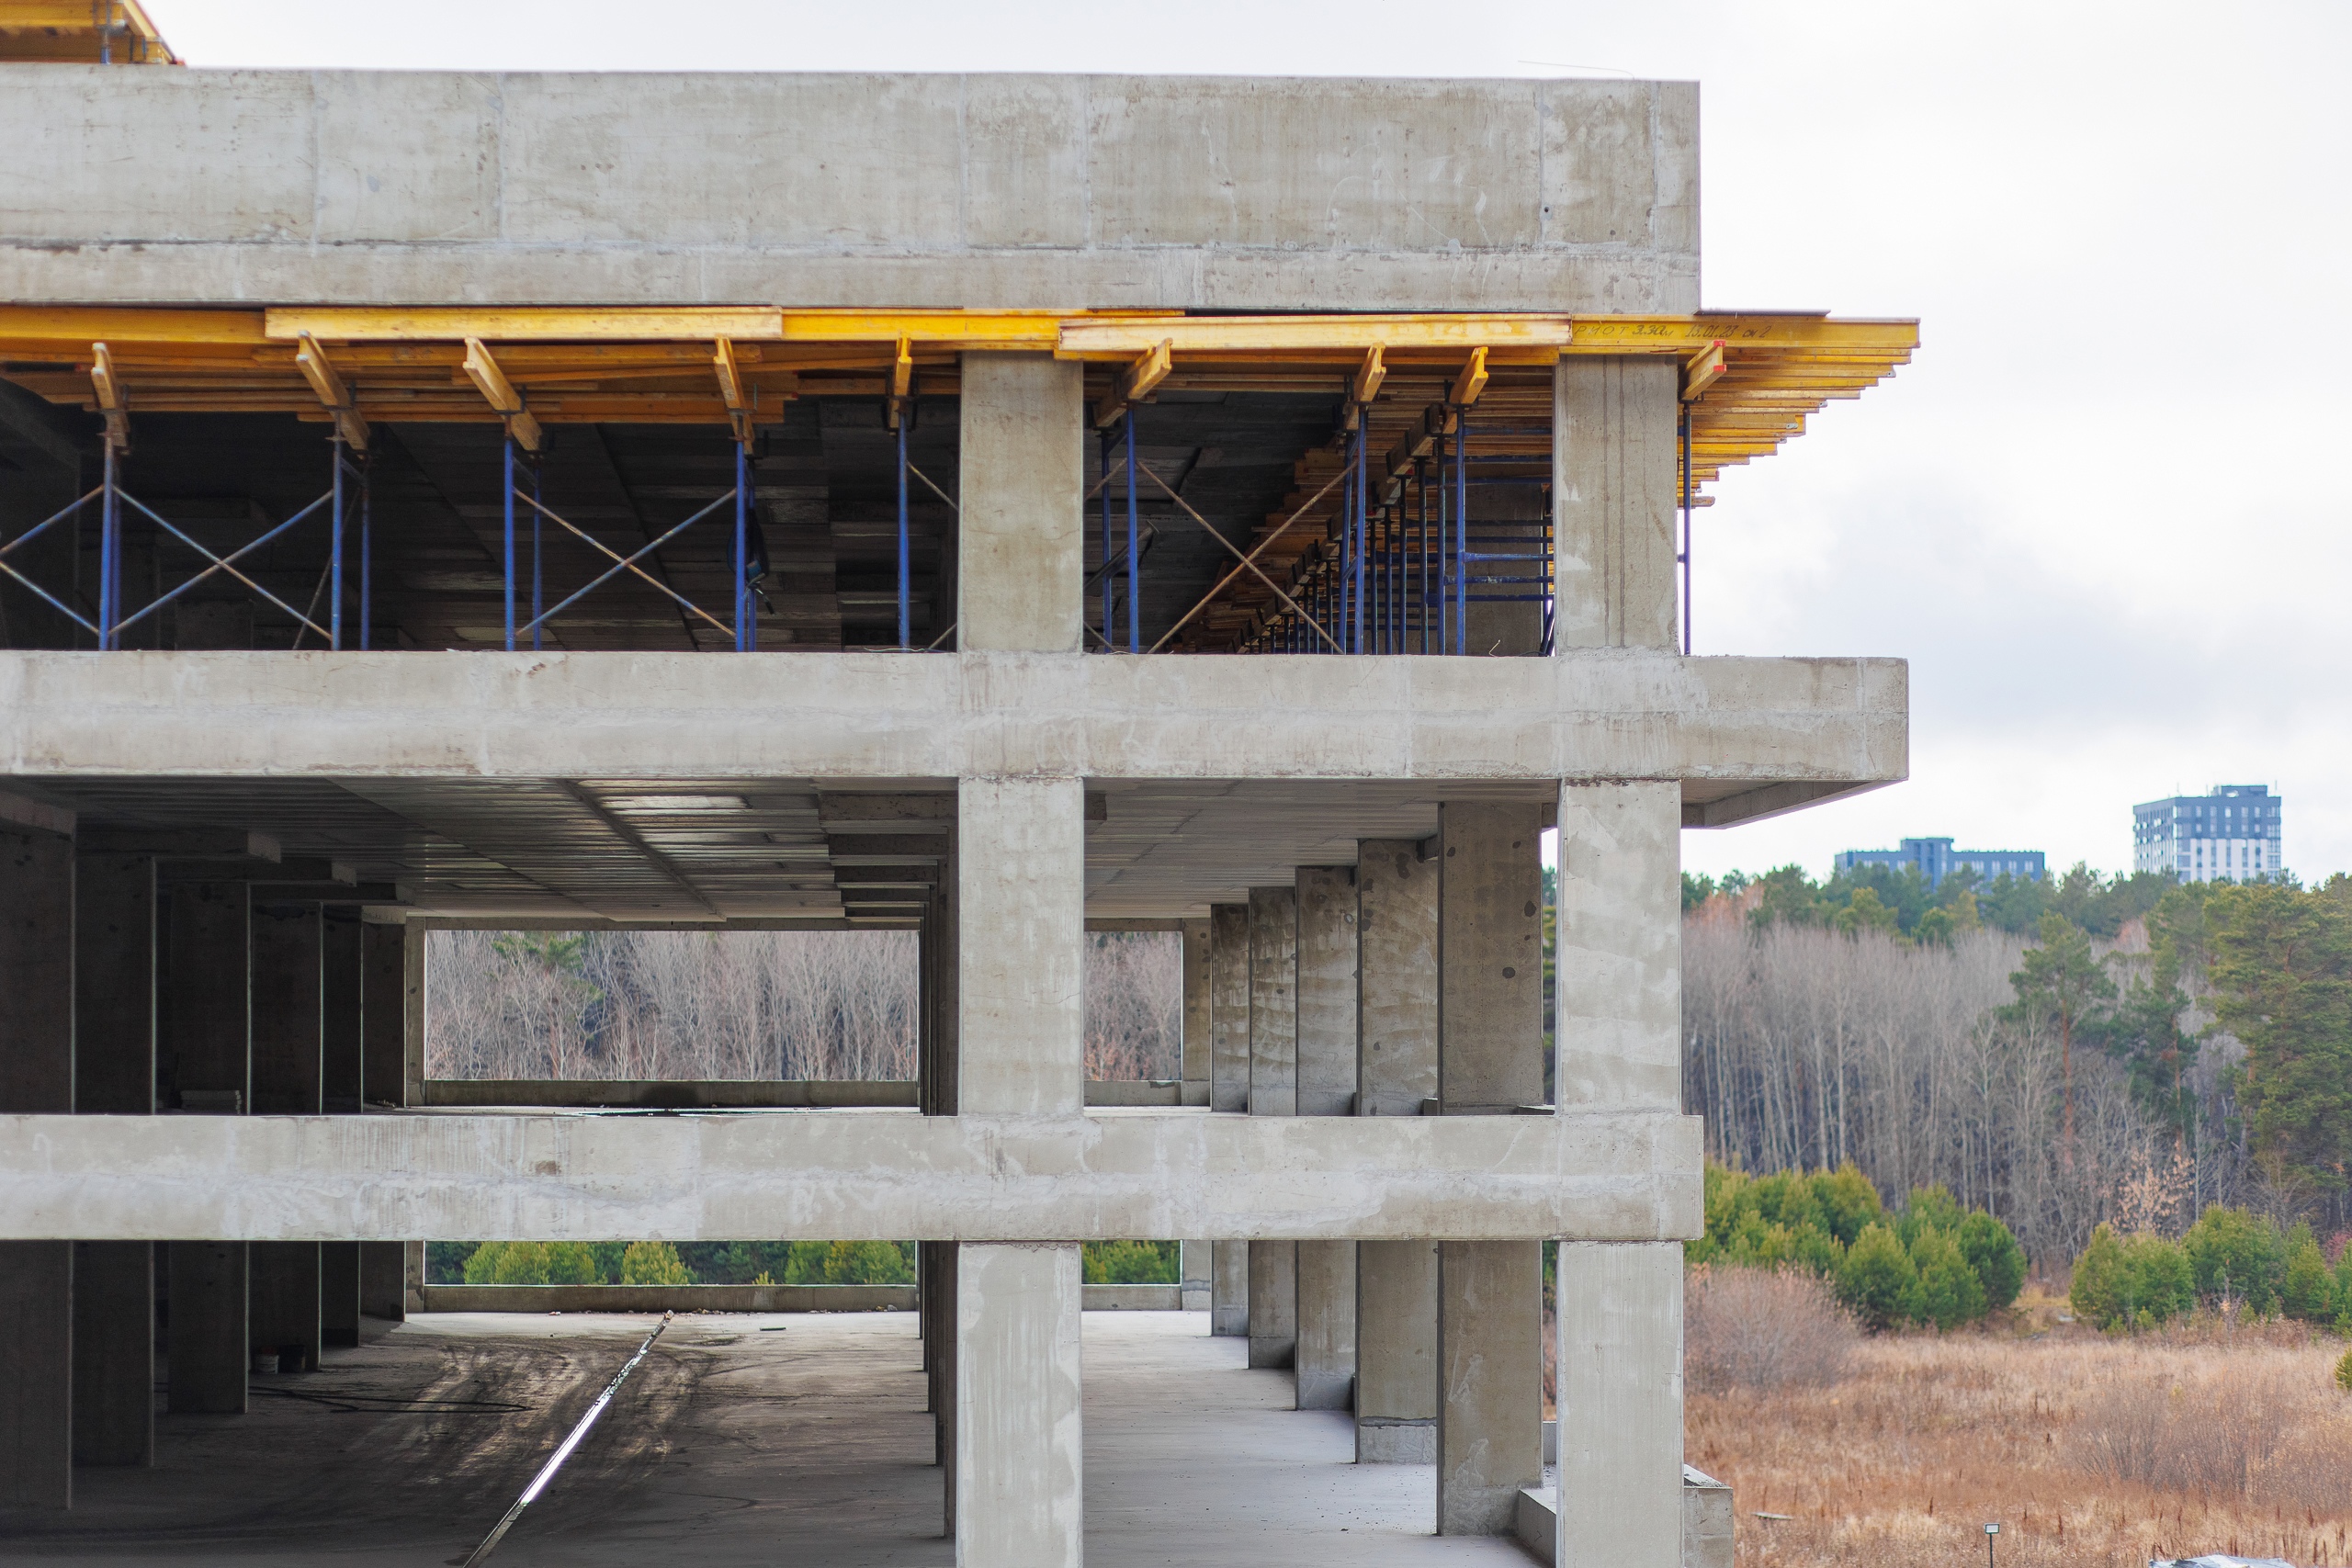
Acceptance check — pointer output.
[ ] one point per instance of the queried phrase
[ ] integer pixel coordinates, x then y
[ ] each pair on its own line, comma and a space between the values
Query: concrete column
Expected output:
1490, 1382
412, 994
1397, 1073
340, 1293
1229, 1006
1490, 959
1490, 1435
1020, 865
207, 1014
114, 1353
1273, 1304
1197, 1032
1019, 1448
1396, 1352
1614, 476
208, 1038
1327, 1325
383, 1033
342, 979
1619, 1373
1273, 1001
1325, 1031
1325, 1042
210, 1349
1228, 984
1020, 888
1020, 552
35, 1076
114, 985
114, 1074
1196, 1269
383, 1280
289, 1059
1273, 1091
1619, 1028
1229, 1288
384, 1289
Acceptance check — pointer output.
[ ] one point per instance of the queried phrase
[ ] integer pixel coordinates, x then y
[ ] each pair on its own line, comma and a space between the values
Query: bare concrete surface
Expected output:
745, 1439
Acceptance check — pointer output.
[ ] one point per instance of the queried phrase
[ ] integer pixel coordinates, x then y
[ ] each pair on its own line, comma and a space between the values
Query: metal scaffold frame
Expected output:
345, 505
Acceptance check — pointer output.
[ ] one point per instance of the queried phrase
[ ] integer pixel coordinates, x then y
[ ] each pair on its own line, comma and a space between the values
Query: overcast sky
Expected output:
2101, 513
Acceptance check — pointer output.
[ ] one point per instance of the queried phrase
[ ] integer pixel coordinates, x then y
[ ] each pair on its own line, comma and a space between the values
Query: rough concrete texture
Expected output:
1229, 1006
1273, 1304
1021, 883
1273, 1001
1327, 1325
849, 1176
208, 1022
36, 971
1021, 550
1490, 1377
1490, 959
1229, 1288
1197, 1033
210, 1353
1621, 1405
1326, 991
1618, 1034
284, 1316
1616, 468
37, 1374
114, 1352
288, 1013
1396, 1394
1396, 928
113, 984
1018, 1449
1724, 726
1016, 191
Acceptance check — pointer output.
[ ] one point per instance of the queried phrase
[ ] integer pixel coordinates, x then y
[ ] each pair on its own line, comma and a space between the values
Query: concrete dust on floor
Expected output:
743, 1438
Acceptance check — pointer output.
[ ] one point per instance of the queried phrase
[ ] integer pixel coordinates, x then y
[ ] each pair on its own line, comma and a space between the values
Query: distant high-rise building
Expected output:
2230, 833
1934, 859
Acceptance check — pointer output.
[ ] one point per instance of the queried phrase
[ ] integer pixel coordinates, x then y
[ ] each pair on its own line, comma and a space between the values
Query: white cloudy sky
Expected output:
2101, 513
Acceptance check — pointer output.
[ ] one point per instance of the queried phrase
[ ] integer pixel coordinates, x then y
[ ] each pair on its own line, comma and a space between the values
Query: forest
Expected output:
2125, 1051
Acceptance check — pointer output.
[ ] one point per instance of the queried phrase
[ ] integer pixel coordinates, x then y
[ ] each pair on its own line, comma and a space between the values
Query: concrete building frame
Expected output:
1368, 1148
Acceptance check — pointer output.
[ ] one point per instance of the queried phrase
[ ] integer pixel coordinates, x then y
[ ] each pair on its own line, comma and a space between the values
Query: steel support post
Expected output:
110, 553
906, 632
509, 474
539, 569
1462, 533
1135, 565
335, 547
366, 553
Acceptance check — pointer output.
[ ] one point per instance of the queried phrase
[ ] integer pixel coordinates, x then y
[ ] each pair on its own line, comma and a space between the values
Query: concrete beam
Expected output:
1717, 725
856, 1175
850, 189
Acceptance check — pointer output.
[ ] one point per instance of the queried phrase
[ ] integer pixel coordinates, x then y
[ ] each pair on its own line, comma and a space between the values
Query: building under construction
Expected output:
993, 507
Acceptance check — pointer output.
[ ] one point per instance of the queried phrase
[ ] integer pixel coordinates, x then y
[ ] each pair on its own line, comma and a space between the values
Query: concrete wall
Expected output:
1051, 192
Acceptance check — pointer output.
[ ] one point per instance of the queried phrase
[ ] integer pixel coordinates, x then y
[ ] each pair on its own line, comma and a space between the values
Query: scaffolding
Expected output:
1399, 525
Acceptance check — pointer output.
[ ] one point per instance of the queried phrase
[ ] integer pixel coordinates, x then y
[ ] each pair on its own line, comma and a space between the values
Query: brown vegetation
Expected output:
1757, 1328
2091, 1452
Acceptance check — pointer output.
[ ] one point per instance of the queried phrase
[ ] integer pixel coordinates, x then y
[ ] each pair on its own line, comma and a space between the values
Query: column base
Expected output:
1381, 1440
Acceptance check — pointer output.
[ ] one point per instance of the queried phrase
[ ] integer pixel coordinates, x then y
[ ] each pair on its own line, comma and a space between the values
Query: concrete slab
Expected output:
854, 1175
733, 1445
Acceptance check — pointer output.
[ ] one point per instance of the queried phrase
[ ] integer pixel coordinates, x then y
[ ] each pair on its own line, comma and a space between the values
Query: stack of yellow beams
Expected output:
80, 32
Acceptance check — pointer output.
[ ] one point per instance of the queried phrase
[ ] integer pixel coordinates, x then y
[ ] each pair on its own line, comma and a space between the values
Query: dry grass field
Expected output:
2090, 1452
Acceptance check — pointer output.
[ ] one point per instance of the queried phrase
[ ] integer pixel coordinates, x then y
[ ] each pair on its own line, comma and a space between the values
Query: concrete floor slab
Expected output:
745, 1438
